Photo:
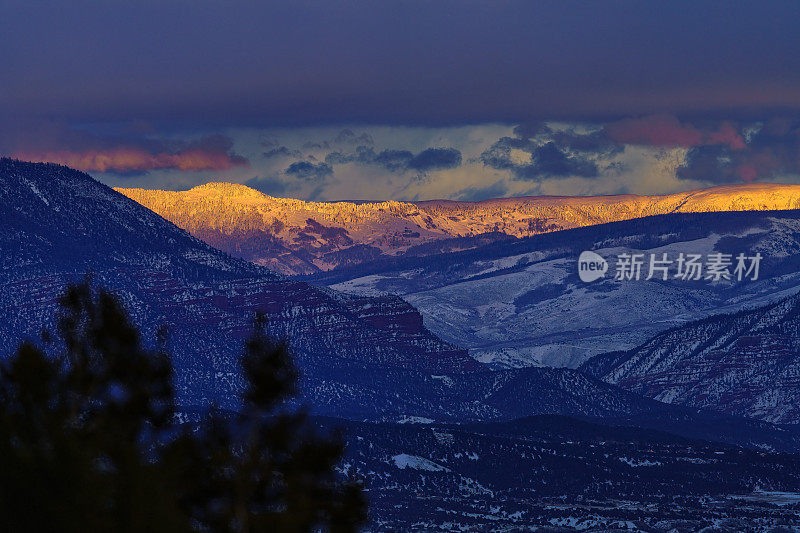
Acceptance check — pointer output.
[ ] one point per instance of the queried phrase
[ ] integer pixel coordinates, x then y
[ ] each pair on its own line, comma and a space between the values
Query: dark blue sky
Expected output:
428, 62
162, 84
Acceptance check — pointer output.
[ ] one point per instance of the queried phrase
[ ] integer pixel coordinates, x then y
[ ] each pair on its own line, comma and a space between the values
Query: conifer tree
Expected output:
89, 439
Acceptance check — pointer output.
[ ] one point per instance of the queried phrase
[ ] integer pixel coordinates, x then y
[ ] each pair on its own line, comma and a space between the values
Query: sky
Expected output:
406, 100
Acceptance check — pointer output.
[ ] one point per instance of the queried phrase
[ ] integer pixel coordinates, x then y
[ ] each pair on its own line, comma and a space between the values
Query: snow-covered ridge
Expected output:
298, 237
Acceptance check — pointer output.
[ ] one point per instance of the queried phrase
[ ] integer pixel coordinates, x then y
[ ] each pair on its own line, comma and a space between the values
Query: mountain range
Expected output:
297, 237
361, 357
679, 429
517, 301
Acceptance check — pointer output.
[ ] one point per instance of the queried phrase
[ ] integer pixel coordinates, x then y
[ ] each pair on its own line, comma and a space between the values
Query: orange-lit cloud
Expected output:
667, 130
127, 159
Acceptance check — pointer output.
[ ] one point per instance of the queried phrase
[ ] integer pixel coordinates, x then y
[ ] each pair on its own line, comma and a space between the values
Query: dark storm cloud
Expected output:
274, 148
719, 150
347, 136
365, 155
549, 160
309, 171
424, 63
596, 142
435, 159
400, 160
280, 151
392, 160
552, 154
771, 151
531, 129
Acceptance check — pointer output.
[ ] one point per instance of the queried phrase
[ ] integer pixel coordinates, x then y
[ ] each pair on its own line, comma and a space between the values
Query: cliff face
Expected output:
297, 237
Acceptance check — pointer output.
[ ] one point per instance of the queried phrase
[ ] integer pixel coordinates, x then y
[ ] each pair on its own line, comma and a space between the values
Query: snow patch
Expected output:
404, 460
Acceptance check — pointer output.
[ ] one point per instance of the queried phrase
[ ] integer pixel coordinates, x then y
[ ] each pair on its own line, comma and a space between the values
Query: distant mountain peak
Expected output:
224, 188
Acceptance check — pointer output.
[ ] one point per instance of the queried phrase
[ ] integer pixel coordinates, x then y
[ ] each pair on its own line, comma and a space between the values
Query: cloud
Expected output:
549, 160
528, 130
392, 160
400, 160
668, 131
126, 154
595, 142
718, 151
772, 151
133, 160
309, 171
347, 136
547, 154
435, 159
280, 151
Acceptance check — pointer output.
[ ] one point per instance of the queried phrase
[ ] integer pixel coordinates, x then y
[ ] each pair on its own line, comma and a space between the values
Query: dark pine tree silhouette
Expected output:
89, 439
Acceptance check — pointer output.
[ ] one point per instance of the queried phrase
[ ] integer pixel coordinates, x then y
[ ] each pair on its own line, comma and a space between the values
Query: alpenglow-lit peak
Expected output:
299, 237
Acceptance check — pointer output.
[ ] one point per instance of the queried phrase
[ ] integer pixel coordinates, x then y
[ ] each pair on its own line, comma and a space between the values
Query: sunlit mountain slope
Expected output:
297, 237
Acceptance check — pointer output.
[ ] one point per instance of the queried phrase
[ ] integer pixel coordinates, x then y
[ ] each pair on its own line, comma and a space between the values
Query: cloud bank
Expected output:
395, 160
647, 154
124, 154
